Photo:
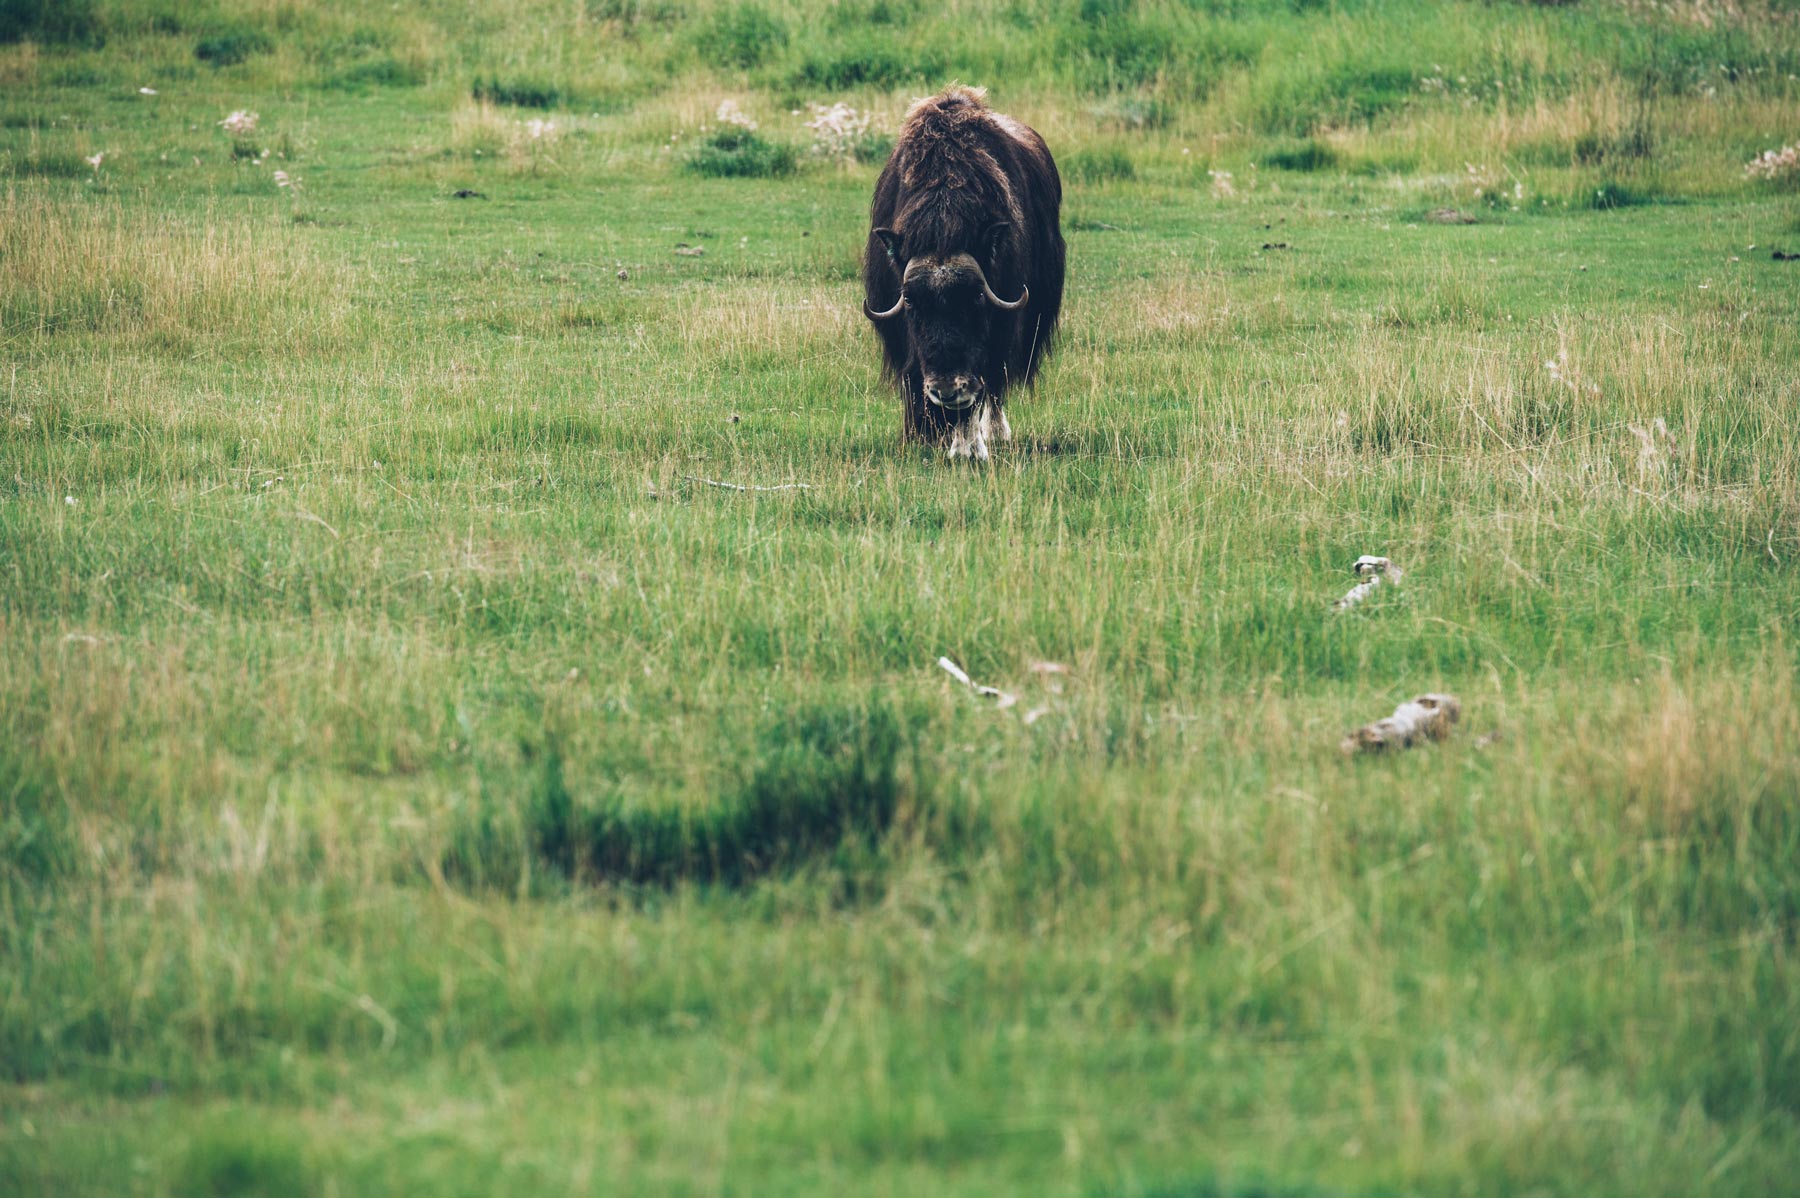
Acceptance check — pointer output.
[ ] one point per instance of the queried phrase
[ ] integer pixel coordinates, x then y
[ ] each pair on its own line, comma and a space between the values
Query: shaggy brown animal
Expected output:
963, 269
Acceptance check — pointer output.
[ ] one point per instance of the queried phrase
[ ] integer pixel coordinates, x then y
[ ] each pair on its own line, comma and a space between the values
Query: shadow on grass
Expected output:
1309, 155
241, 1159
826, 784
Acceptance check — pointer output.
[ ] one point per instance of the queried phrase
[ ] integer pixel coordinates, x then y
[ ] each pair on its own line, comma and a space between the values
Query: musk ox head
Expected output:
949, 309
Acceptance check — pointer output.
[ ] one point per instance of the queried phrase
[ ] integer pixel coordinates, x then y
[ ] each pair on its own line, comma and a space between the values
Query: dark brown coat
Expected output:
964, 180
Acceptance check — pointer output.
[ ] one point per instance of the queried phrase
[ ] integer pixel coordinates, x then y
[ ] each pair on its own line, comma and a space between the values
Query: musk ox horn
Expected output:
892, 312
988, 290
906, 274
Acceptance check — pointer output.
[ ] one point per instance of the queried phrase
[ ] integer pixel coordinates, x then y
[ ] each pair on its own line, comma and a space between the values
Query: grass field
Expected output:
416, 779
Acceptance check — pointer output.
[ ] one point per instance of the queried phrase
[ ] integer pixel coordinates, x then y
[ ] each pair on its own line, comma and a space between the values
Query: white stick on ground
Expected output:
713, 482
1426, 717
1002, 698
1371, 570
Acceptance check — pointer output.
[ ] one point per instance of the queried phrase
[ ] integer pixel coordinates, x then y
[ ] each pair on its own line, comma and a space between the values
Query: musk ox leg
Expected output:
969, 439
1002, 430
968, 443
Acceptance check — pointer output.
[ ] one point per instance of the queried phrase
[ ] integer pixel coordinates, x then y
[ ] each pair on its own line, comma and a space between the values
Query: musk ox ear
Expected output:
890, 240
991, 238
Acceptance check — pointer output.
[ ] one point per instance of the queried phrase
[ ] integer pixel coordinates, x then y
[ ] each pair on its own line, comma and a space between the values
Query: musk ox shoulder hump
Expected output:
1011, 128
955, 112
951, 101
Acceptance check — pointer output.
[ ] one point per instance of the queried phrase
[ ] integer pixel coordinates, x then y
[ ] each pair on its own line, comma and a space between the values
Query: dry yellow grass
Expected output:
93, 265
18, 64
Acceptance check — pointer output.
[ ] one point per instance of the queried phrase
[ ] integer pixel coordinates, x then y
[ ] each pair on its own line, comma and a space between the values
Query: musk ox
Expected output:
963, 271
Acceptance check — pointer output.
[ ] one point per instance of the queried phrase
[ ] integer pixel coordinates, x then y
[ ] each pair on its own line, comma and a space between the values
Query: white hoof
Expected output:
1004, 433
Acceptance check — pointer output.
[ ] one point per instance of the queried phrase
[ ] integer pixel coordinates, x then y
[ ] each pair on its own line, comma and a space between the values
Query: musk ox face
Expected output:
949, 310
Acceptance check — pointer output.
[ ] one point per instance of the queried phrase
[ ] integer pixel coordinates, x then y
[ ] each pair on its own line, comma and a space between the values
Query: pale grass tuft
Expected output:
481, 130
96, 266
730, 322
1564, 374
1598, 110
1656, 447
18, 64
1180, 308
1704, 746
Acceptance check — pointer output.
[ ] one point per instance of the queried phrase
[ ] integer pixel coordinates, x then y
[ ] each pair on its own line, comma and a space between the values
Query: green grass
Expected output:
415, 778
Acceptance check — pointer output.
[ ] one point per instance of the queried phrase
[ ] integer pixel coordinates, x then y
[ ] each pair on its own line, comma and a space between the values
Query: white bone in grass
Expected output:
1002, 698
713, 482
1425, 717
1371, 570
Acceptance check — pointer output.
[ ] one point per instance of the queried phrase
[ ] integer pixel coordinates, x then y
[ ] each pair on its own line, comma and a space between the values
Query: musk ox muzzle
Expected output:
955, 394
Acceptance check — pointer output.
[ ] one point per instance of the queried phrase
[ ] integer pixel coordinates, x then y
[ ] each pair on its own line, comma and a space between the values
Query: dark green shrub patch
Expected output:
868, 62
1309, 155
232, 46
385, 71
732, 152
1305, 97
873, 148
1099, 165
47, 164
1613, 193
57, 22
519, 93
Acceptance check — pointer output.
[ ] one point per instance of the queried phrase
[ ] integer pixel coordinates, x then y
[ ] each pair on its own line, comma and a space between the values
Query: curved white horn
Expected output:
987, 290
892, 312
